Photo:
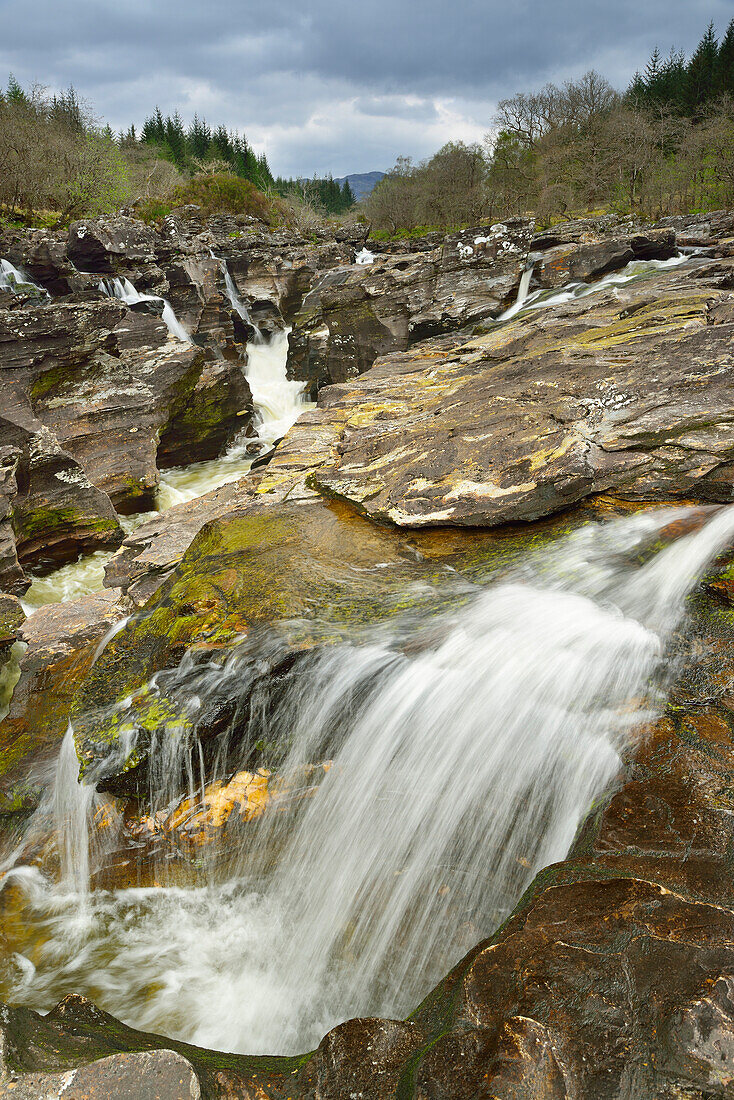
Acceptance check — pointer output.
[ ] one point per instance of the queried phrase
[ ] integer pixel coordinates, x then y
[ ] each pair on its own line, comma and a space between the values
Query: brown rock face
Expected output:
95, 397
62, 641
629, 393
573, 262
352, 315
54, 510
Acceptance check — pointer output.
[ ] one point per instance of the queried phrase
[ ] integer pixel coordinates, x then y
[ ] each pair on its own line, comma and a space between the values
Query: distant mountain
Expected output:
361, 183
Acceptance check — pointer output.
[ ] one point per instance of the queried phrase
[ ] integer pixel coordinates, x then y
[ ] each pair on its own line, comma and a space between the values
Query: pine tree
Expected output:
652, 69
725, 64
15, 93
198, 138
702, 72
348, 198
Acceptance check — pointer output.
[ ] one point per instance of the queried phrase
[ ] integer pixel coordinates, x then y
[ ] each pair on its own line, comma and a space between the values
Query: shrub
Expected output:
224, 193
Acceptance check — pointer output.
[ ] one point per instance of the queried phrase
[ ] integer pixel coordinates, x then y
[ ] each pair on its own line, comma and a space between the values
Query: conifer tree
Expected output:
15, 94
725, 67
702, 72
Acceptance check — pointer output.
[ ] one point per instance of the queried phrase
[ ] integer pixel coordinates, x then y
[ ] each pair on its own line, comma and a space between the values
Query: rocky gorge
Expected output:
422, 707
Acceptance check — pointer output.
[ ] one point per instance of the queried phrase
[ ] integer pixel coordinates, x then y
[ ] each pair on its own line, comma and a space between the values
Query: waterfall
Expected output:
465, 748
16, 281
72, 803
522, 292
635, 271
233, 295
364, 257
126, 292
278, 401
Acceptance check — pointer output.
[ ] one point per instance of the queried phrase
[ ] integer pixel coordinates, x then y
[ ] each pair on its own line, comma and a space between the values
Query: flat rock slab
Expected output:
630, 393
152, 1075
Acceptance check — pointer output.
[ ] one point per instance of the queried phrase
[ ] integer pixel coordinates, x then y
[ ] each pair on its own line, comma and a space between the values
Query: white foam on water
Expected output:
126, 292
462, 764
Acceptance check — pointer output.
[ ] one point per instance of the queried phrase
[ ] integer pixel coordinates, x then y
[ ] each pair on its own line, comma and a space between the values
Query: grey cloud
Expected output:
334, 86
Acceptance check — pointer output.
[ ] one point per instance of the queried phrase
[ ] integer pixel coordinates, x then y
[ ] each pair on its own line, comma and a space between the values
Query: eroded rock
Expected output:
604, 394
355, 314
61, 643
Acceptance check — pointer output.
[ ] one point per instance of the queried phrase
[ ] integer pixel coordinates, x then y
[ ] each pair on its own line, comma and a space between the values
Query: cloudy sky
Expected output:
334, 85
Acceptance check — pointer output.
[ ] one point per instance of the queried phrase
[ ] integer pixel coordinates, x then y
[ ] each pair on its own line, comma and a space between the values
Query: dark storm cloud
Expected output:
333, 85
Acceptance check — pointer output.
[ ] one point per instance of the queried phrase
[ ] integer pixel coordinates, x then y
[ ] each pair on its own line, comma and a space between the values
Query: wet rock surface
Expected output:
613, 976
61, 642
629, 393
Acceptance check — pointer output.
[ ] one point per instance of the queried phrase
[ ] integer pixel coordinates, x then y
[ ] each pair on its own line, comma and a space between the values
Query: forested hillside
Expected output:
664, 145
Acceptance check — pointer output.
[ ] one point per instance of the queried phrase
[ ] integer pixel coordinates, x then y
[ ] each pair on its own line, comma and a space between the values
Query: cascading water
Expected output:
465, 752
522, 292
16, 281
277, 403
126, 292
541, 299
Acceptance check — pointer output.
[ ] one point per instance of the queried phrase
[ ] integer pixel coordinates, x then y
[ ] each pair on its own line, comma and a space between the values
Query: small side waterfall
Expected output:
126, 292
522, 292
235, 300
465, 751
16, 281
547, 297
72, 804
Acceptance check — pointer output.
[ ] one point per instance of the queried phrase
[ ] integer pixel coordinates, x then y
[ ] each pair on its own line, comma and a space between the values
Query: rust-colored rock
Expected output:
61, 643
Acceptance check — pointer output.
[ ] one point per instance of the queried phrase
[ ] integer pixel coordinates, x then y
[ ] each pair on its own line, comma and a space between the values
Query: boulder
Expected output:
56, 512
80, 1052
93, 244
586, 263
151, 1075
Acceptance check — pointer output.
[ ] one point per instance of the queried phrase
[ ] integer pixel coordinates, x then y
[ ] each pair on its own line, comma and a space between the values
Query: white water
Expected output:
634, 272
76, 578
522, 293
126, 292
466, 752
278, 403
14, 280
364, 257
